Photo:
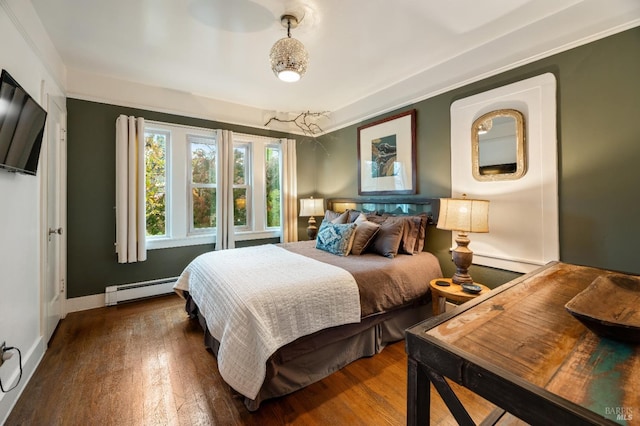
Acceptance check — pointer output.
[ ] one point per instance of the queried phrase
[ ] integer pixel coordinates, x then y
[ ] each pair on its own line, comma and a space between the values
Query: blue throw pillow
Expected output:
335, 238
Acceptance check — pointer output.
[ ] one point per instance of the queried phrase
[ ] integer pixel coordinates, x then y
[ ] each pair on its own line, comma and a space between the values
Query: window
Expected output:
182, 183
256, 186
241, 186
272, 176
203, 183
155, 151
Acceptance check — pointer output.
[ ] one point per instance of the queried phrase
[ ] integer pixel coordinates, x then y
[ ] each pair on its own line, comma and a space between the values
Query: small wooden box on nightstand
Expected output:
453, 292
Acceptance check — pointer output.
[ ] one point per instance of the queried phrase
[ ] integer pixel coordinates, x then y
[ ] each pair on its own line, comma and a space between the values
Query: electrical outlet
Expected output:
2, 348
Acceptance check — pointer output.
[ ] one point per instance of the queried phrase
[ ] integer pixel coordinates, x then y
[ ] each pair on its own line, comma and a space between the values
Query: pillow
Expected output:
353, 215
422, 233
335, 217
364, 235
335, 238
409, 234
361, 218
414, 234
387, 240
343, 218
376, 218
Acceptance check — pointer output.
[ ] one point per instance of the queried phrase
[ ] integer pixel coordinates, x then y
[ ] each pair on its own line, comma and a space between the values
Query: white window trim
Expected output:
178, 197
191, 231
258, 186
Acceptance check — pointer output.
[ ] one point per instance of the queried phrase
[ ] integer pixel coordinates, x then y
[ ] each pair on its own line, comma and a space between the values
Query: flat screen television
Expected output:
22, 122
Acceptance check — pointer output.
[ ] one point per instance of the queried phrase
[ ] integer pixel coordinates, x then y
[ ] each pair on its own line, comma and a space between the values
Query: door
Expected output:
55, 271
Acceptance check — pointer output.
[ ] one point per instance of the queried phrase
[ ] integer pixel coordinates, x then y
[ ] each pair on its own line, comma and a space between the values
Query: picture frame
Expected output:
387, 156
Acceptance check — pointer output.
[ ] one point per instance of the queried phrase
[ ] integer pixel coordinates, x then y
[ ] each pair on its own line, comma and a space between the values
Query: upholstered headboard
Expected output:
430, 206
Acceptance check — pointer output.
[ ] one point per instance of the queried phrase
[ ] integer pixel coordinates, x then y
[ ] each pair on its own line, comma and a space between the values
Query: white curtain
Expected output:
224, 192
130, 190
289, 191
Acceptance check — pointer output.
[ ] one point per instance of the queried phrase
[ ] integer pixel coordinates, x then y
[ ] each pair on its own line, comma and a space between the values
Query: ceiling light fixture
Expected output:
289, 59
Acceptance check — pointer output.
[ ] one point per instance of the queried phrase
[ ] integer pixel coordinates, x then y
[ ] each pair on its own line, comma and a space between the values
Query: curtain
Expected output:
224, 192
289, 191
130, 190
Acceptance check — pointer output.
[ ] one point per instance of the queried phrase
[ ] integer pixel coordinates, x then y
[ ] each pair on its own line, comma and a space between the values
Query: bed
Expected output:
279, 317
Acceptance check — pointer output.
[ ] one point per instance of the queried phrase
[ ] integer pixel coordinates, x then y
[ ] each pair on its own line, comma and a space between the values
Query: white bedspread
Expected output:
257, 299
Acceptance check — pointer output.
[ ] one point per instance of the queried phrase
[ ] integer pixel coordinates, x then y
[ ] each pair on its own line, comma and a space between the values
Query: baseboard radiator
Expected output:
127, 292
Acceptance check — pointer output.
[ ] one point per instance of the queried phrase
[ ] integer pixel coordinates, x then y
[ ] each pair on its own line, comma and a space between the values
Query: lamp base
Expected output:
462, 258
312, 229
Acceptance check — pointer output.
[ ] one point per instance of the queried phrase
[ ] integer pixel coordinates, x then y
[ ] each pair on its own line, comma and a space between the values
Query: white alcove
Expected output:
523, 213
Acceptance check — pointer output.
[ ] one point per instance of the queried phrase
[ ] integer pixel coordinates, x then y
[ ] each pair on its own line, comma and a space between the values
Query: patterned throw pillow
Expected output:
335, 238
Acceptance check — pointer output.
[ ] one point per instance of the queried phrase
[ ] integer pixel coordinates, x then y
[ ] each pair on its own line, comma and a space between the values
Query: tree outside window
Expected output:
241, 197
203, 181
155, 148
272, 178
181, 165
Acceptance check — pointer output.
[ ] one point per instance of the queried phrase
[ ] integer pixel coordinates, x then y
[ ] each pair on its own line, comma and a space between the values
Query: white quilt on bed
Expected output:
257, 299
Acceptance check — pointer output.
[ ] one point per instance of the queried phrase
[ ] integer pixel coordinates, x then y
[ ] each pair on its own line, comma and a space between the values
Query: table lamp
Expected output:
312, 207
463, 215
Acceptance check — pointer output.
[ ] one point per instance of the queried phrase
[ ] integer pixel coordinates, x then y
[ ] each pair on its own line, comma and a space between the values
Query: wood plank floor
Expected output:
144, 363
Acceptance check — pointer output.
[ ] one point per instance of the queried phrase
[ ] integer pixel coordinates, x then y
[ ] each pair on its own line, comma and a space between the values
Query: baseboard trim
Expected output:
30, 361
77, 304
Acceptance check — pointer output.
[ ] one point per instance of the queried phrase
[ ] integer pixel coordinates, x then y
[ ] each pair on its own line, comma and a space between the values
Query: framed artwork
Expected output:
387, 156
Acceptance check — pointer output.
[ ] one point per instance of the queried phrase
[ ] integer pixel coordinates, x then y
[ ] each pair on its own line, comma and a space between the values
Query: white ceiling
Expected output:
366, 56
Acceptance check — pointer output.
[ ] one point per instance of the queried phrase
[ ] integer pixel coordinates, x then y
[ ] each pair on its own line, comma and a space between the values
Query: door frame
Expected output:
44, 204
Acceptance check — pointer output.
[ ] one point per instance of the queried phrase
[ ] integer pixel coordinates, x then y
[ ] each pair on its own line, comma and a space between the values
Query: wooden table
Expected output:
453, 292
518, 348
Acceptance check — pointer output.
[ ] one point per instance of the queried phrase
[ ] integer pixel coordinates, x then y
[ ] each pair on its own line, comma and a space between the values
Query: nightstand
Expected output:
452, 292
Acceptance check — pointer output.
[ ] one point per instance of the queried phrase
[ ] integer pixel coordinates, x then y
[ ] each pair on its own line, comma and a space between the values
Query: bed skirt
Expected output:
312, 358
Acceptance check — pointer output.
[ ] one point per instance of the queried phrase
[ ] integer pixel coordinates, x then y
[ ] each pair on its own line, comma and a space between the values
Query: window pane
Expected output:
203, 162
204, 207
155, 153
240, 206
240, 166
272, 171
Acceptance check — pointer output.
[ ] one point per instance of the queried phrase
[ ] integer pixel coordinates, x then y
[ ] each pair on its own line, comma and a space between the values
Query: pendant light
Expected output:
289, 59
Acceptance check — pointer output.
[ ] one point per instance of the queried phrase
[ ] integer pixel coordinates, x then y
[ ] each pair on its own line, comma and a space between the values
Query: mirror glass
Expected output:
498, 146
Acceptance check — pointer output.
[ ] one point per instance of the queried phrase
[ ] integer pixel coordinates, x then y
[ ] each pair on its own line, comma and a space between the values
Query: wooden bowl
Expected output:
610, 307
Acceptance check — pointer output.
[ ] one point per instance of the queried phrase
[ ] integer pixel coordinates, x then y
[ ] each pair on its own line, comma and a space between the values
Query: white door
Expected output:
54, 288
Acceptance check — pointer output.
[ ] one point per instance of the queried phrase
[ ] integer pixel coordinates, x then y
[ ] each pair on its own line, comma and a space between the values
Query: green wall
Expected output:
91, 260
598, 100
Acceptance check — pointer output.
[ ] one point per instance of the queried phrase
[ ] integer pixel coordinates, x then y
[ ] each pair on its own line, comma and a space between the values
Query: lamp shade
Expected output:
311, 207
464, 215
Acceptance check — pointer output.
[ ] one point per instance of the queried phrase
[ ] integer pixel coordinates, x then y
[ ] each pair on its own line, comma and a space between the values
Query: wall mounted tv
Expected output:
21, 127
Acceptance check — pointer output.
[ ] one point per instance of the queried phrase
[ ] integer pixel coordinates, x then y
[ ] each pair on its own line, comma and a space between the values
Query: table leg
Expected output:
438, 303
418, 395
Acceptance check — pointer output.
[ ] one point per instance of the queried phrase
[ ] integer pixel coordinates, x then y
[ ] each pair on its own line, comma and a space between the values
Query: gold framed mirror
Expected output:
498, 146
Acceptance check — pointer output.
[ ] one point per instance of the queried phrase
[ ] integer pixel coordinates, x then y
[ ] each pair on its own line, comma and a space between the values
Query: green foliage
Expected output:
240, 206
155, 183
240, 165
203, 178
204, 207
203, 171
273, 187
203, 163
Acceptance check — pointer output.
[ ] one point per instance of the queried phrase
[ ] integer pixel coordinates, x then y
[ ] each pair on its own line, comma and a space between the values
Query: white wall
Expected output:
33, 62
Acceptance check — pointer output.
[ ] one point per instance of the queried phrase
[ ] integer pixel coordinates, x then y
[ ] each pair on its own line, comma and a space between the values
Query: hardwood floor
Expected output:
144, 363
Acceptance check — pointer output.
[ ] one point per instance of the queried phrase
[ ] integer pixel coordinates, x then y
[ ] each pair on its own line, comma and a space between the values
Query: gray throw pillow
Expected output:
365, 233
387, 241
